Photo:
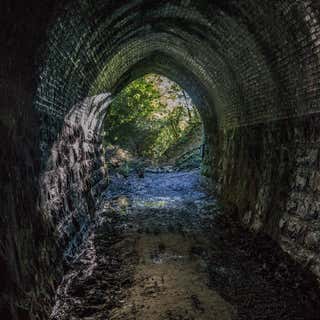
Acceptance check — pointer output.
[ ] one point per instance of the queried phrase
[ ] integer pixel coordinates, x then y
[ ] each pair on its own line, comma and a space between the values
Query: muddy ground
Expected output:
163, 249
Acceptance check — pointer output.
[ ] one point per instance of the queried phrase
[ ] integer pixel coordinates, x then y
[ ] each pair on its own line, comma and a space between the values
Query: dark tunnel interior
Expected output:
251, 66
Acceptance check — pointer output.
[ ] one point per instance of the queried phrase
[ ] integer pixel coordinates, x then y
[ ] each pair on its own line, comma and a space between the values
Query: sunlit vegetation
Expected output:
149, 118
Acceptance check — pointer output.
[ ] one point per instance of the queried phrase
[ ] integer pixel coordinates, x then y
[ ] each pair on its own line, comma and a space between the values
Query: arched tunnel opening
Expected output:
152, 123
252, 68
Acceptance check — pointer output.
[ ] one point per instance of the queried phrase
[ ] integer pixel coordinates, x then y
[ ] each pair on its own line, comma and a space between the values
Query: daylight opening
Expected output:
152, 122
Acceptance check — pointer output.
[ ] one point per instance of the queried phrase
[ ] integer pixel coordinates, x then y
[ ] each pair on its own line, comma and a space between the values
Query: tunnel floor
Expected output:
163, 248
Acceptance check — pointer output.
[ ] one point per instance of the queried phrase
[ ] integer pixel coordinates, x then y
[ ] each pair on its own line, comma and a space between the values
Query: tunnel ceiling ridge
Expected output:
244, 54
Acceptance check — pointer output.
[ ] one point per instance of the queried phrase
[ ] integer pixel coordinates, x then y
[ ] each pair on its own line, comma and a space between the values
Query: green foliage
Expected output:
128, 121
141, 121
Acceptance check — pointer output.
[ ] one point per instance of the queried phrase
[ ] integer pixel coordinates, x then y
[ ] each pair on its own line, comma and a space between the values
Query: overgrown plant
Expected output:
149, 117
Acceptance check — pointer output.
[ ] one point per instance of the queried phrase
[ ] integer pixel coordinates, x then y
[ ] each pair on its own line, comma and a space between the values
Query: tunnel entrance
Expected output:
152, 122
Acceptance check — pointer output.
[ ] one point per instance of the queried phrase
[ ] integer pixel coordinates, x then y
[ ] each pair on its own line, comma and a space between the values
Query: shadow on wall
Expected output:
37, 236
269, 174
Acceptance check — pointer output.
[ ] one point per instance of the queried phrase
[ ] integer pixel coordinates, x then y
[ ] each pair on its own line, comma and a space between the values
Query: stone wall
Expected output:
74, 173
30, 264
269, 174
40, 233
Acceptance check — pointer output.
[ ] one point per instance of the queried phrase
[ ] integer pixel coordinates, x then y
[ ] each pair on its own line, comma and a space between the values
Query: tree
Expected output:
141, 121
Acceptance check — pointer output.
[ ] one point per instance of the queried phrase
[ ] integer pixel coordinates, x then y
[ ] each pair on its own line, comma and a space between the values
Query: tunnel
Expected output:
251, 66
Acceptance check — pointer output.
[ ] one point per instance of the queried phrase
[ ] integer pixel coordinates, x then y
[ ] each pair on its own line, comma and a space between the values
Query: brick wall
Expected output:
269, 174
249, 65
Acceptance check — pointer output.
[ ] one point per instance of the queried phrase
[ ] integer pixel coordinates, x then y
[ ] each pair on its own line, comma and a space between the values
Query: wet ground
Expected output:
163, 249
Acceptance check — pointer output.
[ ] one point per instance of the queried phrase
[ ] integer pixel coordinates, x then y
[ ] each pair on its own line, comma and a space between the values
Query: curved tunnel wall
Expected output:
251, 66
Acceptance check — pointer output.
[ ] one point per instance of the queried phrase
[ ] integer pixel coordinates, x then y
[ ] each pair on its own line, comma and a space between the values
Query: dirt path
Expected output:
163, 250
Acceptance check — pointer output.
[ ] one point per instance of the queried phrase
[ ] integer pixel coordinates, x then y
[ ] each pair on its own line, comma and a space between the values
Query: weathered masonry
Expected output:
252, 67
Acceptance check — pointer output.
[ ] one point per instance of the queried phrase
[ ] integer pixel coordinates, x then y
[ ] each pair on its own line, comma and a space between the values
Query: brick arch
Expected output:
253, 64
